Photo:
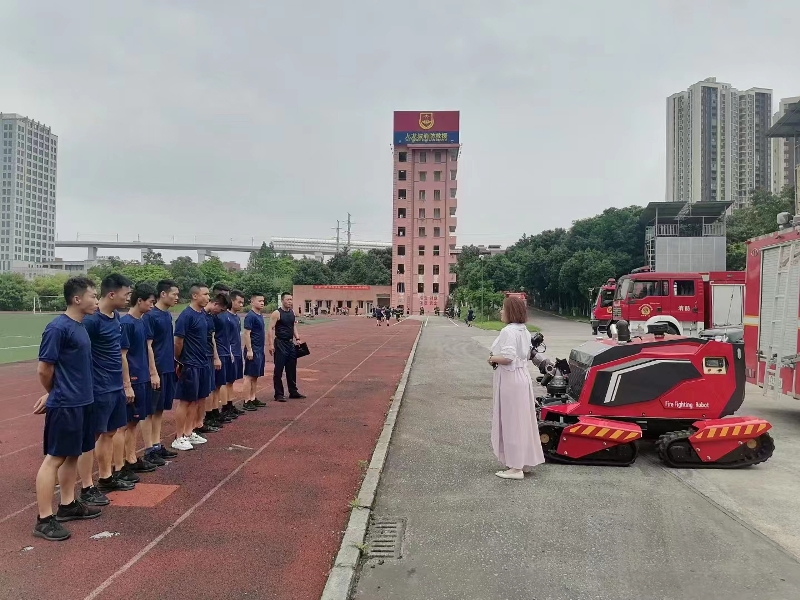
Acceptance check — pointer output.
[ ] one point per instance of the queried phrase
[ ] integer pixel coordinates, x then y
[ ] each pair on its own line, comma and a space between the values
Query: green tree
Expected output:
312, 272
185, 272
215, 272
147, 272
151, 257
758, 218
14, 292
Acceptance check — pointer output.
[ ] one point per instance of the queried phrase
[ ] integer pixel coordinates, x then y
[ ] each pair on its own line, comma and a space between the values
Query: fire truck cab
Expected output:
772, 306
601, 311
687, 302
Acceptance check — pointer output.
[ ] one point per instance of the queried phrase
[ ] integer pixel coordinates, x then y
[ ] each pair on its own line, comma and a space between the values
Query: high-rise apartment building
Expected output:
28, 193
784, 157
716, 144
426, 151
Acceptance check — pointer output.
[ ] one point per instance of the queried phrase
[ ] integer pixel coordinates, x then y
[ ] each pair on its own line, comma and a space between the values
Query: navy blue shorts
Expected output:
69, 431
255, 367
142, 405
220, 375
162, 397
109, 412
194, 384
236, 369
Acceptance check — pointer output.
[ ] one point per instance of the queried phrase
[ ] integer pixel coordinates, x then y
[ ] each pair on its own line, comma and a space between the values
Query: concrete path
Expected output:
571, 533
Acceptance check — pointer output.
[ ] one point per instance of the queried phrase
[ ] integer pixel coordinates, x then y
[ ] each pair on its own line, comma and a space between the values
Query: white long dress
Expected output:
515, 434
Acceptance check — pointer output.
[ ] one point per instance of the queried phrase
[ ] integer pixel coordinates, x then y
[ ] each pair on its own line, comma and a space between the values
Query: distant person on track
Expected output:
65, 372
515, 433
159, 319
111, 395
282, 338
255, 342
470, 317
235, 370
387, 315
194, 377
212, 421
139, 372
378, 313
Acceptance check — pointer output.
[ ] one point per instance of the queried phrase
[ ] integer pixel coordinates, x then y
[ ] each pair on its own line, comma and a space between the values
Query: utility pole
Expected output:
338, 229
349, 226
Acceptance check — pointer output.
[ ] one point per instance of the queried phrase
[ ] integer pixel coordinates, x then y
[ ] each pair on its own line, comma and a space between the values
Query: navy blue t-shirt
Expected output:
108, 340
193, 326
210, 336
221, 334
160, 322
234, 326
254, 323
66, 345
138, 332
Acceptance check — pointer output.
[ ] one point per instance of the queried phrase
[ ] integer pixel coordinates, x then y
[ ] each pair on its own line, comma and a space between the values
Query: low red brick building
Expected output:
327, 298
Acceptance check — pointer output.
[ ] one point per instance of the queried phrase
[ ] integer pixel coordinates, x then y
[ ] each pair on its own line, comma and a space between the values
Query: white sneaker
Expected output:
182, 443
195, 439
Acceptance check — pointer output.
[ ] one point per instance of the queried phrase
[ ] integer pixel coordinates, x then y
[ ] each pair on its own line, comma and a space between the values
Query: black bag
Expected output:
301, 350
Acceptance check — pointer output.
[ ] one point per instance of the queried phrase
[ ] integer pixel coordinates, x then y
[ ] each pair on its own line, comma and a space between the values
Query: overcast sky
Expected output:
260, 119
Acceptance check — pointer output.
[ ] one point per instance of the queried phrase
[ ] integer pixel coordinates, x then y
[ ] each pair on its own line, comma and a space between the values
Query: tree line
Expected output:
267, 272
562, 269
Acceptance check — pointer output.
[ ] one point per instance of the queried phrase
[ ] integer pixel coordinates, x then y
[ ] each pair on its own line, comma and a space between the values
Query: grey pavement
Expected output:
571, 532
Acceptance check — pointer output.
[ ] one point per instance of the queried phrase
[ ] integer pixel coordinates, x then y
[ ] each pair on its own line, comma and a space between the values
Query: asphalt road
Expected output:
572, 533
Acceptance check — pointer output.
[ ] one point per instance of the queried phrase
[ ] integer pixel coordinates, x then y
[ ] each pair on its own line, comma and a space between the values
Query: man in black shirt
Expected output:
282, 339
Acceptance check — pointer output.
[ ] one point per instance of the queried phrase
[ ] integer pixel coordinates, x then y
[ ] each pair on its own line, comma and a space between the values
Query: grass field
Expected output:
498, 325
20, 333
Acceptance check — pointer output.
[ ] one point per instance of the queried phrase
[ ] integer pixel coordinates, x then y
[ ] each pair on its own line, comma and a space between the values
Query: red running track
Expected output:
257, 512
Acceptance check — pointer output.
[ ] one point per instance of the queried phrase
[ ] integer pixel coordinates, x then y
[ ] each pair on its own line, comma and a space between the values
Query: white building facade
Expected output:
28, 193
716, 144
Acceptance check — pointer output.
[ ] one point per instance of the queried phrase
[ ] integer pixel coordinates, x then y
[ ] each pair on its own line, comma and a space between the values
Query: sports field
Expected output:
257, 512
20, 334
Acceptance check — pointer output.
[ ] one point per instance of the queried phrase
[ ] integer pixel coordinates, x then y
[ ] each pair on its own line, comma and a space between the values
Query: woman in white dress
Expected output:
515, 434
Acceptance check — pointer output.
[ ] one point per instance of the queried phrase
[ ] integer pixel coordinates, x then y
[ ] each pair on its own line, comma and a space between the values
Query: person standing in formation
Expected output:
110, 394
255, 350
138, 372
211, 423
194, 377
234, 327
283, 336
65, 372
159, 319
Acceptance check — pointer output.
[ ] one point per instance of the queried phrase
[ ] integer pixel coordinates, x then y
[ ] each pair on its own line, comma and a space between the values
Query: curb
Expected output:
343, 574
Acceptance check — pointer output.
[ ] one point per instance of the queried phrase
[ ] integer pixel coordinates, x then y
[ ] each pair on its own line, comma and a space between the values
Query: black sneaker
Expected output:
280, 398
224, 418
206, 428
115, 484
231, 413
165, 452
50, 529
216, 423
238, 410
140, 466
91, 496
249, 406
297, 396
153, 458
258, 403
76, 511
126, 475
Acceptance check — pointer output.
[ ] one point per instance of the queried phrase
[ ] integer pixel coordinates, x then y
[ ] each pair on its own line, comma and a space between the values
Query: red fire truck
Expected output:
772, 304
687, 302
601, 312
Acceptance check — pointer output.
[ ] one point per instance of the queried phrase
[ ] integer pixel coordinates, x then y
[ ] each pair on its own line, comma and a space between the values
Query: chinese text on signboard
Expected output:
341, 287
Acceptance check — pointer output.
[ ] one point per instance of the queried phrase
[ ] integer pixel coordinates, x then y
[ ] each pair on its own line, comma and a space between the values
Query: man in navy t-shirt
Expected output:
65, 370
211, 423
160, 321
255, 350
194, 379
139, 372
110, 396
221, 333
234, 368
